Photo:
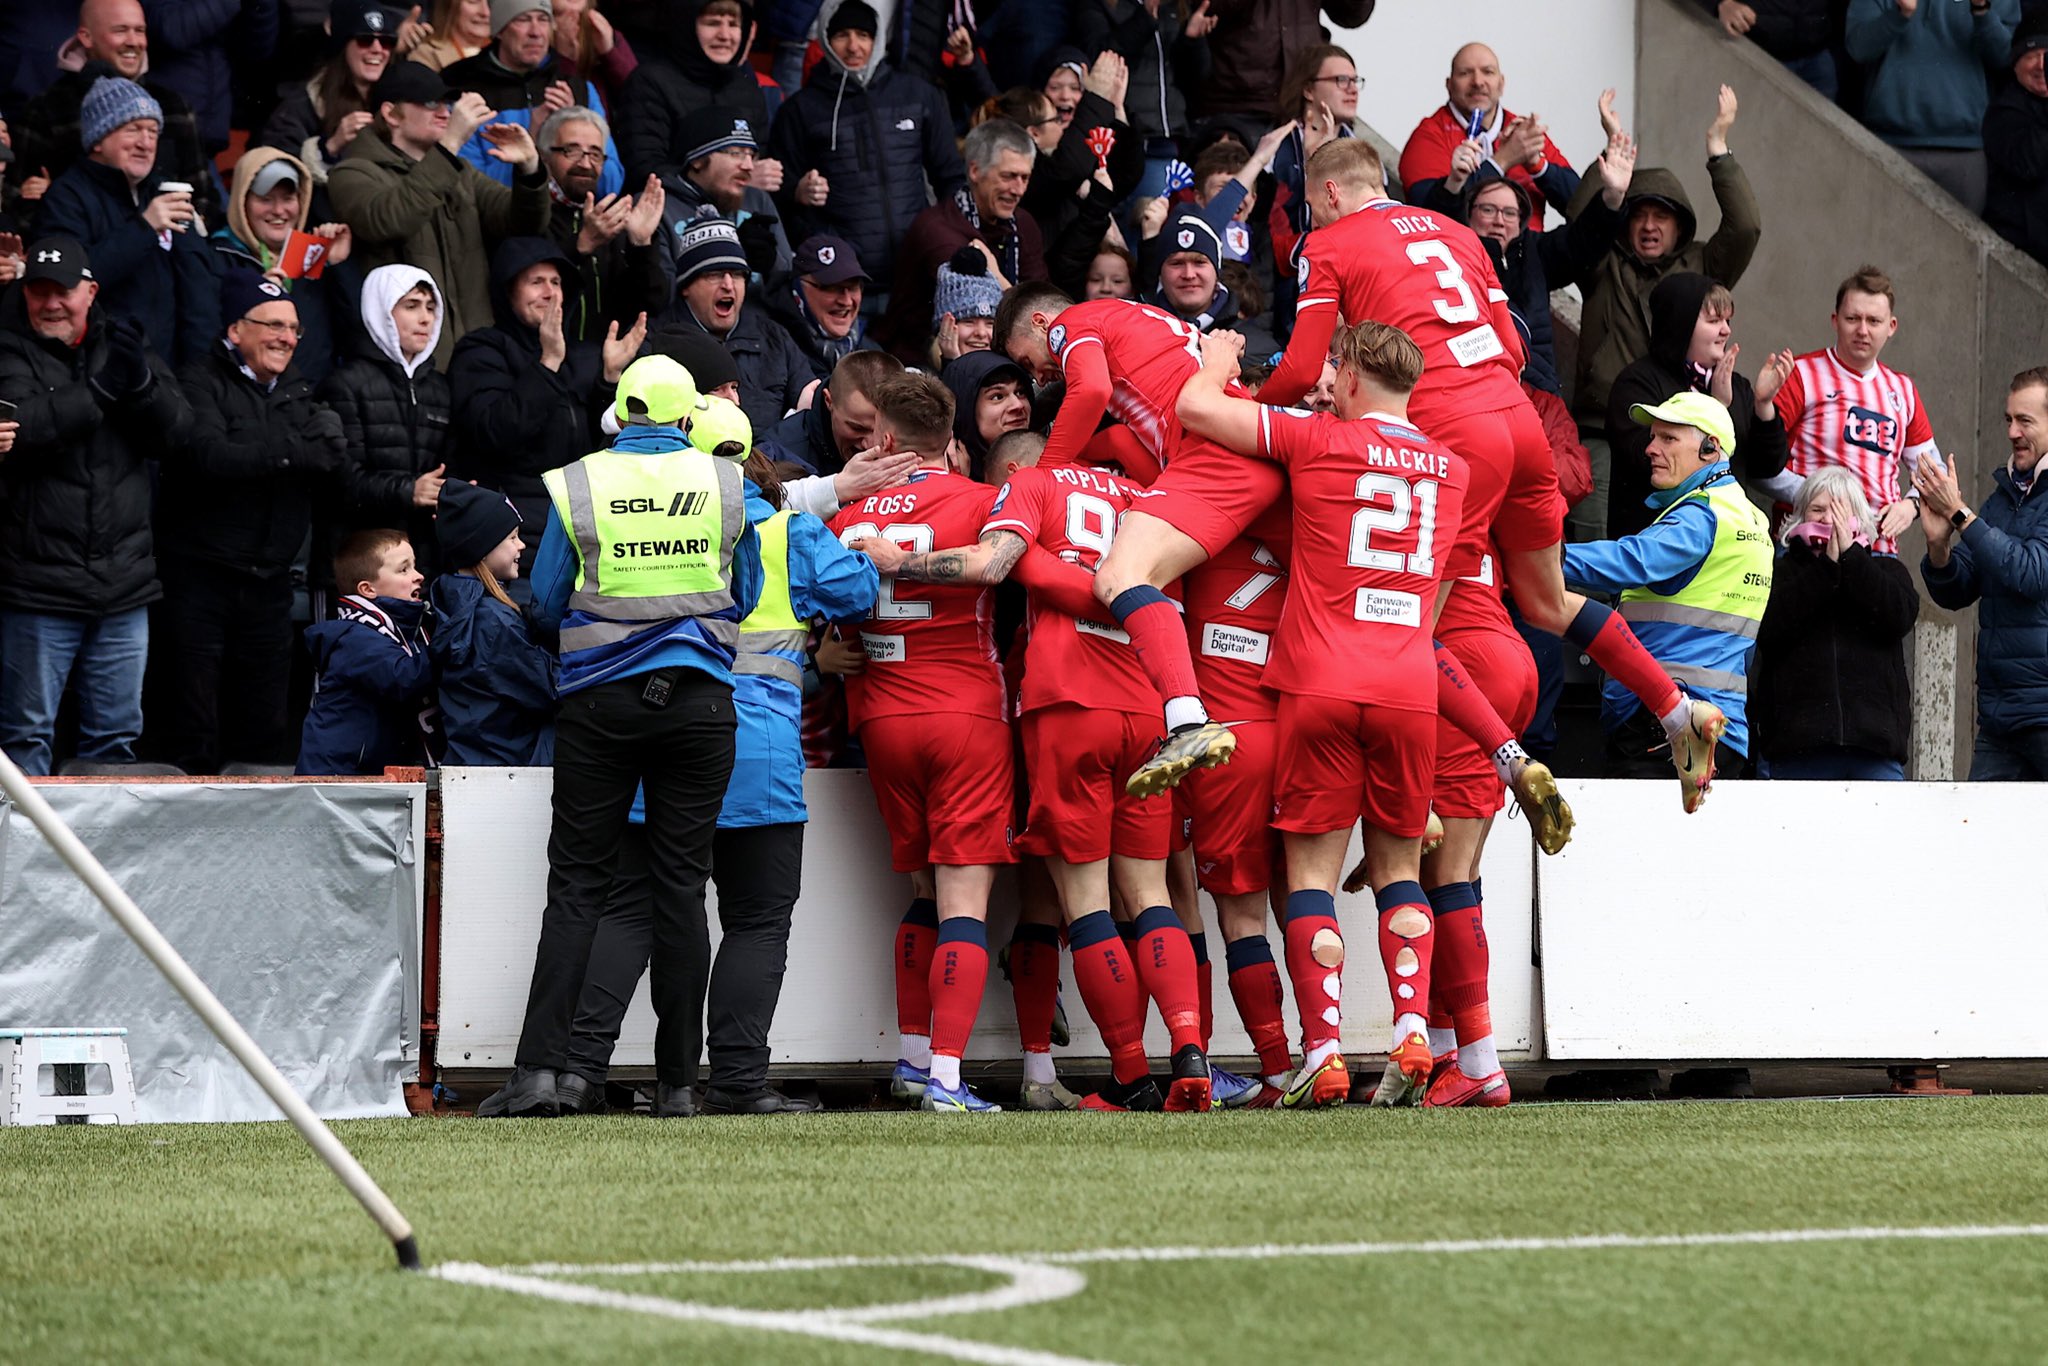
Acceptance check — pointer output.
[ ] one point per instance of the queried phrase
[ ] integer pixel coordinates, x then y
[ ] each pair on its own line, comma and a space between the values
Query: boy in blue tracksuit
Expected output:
374, 684
757, 853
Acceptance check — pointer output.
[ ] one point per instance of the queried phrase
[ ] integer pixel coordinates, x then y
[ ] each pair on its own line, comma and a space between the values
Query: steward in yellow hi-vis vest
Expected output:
1693, 584
647, 568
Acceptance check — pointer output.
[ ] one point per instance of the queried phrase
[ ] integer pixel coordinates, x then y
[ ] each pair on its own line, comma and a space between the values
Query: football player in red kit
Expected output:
1087, 727
1129, 360
1377, 508
1371, 257
941, 775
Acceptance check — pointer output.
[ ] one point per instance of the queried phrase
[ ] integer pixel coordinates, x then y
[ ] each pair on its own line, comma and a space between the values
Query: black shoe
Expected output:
674, 1102
1189, 1090
530, 1093
765, 1101
579, 1095
1712, 1083
1142, 1094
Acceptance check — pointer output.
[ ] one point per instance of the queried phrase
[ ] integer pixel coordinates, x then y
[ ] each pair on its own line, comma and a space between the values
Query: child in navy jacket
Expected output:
374, 684
497, 688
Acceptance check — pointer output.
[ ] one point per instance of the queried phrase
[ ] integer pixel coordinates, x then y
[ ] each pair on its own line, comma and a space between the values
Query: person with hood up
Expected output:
317, 120
696, 56
373, 683
525, 396
2016, 143
235, 505
112, 40
269, 199
1186, 260
711, 278
858, 143
1659, 236
411, 199
496, 686
520, 76
395, 410
1691, 318
991, 395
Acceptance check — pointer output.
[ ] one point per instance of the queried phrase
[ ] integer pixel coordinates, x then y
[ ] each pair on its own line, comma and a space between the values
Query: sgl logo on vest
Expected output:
686, 503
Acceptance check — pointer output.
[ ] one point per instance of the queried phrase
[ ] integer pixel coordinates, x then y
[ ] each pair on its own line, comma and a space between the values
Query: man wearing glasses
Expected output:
614, 240
234, 504
521, 77
1471, 132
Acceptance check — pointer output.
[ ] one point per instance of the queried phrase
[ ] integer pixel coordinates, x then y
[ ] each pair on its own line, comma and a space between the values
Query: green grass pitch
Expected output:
232, 1244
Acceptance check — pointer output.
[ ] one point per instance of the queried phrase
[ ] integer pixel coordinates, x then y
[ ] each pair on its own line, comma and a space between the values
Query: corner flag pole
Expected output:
225, 1027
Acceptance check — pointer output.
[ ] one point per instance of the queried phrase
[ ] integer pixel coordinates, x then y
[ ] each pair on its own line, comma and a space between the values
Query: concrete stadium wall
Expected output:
1834, 197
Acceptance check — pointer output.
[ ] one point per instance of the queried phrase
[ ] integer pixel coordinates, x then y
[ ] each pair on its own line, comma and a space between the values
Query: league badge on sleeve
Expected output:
1056, 338
1301, 273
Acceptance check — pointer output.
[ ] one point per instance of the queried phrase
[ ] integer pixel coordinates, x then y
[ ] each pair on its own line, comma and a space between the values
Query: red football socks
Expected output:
1406, 935
916, 937
1315, 965
1160, 637
1166, 965
1255, 986
1459, 701
1459, 966
1110, 989
1601, 633
1035, 983
959, 973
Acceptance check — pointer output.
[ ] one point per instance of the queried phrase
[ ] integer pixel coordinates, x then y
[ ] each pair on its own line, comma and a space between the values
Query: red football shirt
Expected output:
928, 645
1376, 506
1424, 273
1128, 360
1073, 512
1233, 605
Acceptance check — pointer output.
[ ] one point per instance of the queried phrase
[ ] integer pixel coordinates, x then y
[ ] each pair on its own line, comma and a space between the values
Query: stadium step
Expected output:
66, 1076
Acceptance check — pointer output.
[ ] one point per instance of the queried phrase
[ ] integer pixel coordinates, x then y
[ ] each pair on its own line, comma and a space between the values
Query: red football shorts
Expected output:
1211, 494
946, 786
1532, 515
1231, 808
1342, 761
1500, 666
1077, 759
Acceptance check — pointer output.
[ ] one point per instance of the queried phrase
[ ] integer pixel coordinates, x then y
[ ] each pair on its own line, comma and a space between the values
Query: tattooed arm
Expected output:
988, 562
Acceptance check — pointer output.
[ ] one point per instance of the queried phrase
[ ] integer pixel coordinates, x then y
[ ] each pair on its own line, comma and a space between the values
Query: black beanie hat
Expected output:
470, 522
854, 14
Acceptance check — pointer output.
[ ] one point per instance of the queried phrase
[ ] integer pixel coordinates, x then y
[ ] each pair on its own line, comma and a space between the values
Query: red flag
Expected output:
304, 256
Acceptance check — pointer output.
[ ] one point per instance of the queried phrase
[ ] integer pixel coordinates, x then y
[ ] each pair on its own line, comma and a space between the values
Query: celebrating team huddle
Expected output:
1339, 655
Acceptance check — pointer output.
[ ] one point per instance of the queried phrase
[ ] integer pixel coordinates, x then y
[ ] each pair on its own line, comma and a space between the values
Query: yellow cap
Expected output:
719, 420
1690, 409
656, 389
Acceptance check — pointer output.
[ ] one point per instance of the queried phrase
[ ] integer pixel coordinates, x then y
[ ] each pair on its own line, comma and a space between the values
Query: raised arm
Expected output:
1206, 410
988, 562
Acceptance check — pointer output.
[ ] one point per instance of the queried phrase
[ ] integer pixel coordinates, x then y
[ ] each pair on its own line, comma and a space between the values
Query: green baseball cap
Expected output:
1690, 409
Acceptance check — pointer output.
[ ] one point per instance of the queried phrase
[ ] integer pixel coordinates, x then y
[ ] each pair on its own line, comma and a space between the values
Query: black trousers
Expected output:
758, 871
608, 741
220, 667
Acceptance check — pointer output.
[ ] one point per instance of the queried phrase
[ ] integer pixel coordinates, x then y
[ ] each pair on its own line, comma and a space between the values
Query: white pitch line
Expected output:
806, 1323
1270, 1251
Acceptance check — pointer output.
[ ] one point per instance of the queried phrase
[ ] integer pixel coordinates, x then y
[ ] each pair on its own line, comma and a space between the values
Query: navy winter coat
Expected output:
2000, 562
497, 688
874, 142
372, 681
773, 371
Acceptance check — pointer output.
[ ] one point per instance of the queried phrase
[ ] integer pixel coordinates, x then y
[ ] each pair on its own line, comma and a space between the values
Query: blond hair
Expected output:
1352, 162
1382, 352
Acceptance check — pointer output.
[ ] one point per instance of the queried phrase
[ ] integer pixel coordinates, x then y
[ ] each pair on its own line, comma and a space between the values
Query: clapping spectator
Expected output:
700, 60
1096, 163
857, 144
269, 200
20, 197
410, 198
526, 396
1930, 89
820, 308
617, 241
718, 160
144, 239
1494, 142
460, 30
1796, 32
1829, 698
200, 44
396, 410
93, 408
1659, 236
234, 508
988, 209
1167, 51
711, 280
2016, 143
521, 78
113, 40
588, 45
317, 120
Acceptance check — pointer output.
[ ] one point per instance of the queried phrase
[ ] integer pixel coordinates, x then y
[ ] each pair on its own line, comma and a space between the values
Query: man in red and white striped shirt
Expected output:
1843, 408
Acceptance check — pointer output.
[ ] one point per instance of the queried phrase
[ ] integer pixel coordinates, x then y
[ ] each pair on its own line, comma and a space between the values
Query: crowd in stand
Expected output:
286, 284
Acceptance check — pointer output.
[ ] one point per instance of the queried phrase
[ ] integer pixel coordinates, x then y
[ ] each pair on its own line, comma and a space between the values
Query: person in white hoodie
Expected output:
395, 409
